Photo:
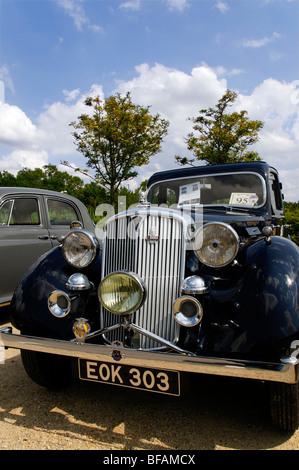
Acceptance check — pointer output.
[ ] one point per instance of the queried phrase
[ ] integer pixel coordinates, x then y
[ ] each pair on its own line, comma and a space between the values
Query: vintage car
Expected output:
195, 279
31, 220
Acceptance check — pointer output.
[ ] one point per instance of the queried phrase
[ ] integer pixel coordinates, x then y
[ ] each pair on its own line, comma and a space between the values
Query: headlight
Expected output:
121, 292
216, 244
79, 248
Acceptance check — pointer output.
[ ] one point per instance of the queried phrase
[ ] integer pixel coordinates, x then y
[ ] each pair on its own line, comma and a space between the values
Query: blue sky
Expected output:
177, 56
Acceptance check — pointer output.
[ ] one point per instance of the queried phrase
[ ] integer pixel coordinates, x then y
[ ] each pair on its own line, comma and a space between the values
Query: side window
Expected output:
5, 211
24, 212
60, 212
275, 192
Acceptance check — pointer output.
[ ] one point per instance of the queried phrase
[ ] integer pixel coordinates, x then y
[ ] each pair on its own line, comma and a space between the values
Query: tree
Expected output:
223, 137
29, 178
56, 180
47, 178
117, 138
7, 179
291, 221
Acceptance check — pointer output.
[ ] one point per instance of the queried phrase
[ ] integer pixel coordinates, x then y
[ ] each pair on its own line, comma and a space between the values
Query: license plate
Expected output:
155, 380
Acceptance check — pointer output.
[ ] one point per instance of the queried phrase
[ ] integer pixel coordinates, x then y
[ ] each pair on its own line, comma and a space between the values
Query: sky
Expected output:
176, 56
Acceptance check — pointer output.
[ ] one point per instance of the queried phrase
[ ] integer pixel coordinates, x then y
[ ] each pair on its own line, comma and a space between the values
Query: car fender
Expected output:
29, 306
269, 297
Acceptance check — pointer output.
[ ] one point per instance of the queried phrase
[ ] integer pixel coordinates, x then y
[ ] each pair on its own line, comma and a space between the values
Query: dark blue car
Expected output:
196, 279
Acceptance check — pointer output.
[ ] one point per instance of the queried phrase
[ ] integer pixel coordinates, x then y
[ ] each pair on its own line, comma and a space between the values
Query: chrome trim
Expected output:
55, 309
78, 281
181, 318
267, 371
159, 263
194, 285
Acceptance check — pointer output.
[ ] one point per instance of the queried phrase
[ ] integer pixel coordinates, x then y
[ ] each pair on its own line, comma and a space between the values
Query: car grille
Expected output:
153, 247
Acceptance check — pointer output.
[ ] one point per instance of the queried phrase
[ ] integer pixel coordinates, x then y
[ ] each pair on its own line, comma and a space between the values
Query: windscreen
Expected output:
235, 189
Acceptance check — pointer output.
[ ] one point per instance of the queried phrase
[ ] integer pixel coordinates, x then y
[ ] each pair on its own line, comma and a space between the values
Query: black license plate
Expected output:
155, 380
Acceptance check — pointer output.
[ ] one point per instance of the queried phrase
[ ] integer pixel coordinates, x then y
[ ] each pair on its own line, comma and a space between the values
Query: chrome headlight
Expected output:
79, 248
216, 244
121, 293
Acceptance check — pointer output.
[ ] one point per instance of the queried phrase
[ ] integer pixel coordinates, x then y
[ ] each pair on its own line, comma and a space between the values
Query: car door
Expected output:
60, 213
23, 239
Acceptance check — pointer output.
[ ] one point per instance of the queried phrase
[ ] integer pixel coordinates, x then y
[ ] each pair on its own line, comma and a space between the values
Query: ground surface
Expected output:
216, 414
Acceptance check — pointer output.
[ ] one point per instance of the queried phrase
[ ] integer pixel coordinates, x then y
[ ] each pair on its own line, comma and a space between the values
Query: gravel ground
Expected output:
214, 414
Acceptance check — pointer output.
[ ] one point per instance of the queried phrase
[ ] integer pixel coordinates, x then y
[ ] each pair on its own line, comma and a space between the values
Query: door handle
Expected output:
43, 237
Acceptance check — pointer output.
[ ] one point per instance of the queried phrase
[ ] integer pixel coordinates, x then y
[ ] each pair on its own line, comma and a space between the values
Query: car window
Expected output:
5, 211
242, 189
24, 211
275, 192
60, 212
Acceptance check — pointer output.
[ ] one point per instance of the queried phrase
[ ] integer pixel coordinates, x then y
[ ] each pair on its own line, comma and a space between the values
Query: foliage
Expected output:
91, 194
117, 138
291, 221
223, 137
47, 178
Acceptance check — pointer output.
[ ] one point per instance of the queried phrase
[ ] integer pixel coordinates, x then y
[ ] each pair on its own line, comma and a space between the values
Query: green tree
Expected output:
7, 179
291, 220
117, 138
29, 178
56, 180
223, 137
47, 178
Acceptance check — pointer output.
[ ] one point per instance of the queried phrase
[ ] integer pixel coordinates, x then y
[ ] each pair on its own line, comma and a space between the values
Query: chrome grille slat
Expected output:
159, 264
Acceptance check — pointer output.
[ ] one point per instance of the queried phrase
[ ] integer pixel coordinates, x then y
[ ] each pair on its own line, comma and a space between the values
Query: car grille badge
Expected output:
81, 329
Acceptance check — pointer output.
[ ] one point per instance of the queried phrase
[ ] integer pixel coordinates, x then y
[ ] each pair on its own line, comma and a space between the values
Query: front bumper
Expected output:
285, 372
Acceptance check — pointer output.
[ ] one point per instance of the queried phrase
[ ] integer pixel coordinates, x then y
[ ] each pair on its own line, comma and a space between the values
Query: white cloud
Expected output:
71, 95
176, 96
54, 121
19, 158
257, 43
179, 5
33, 145
222, 6
75, 10
16, 129
131, 5
6, 78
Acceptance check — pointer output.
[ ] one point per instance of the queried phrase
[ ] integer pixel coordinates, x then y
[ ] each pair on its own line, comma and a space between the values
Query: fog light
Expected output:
121, 292
187, 311
59, 304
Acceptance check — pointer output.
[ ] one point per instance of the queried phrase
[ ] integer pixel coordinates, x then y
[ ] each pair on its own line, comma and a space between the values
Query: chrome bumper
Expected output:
286, 371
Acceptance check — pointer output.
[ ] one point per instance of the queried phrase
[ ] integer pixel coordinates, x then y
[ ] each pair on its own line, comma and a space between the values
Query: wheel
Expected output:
284, 403
48, 370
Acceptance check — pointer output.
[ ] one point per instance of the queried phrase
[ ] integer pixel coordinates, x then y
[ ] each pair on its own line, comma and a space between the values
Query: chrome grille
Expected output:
153, 247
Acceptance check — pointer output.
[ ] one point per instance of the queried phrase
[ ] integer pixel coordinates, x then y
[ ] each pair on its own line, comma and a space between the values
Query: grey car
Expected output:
31, 220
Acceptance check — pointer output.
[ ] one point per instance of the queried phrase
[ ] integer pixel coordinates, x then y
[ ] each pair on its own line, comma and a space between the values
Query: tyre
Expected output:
48, 370
284, 403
